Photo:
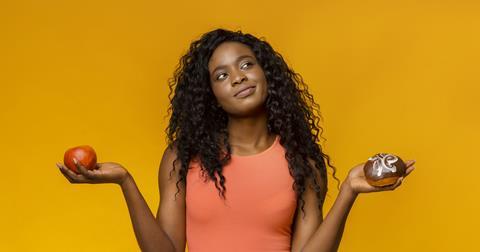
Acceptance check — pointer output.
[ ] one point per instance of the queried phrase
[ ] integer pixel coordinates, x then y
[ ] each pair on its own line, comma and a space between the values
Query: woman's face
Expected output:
237, 80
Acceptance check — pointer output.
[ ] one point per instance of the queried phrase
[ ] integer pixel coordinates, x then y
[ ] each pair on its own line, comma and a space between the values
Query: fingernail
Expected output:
74, 160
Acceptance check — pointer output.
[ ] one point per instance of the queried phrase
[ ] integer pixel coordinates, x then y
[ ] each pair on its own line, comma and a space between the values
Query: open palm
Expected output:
108, 172
358, 183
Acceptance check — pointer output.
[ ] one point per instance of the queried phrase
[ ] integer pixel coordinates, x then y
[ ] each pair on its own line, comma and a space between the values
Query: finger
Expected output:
67, 170
72, 176
394, 186
410, 163
409, 170
64, 173
83, 170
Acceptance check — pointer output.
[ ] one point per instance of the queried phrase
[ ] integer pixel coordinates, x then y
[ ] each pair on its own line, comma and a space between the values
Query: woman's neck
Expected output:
249, 134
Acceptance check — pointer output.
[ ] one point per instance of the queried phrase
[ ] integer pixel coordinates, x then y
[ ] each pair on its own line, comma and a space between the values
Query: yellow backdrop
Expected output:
390, 76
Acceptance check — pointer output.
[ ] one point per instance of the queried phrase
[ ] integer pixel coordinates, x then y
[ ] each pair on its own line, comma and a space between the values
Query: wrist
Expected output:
125, 181
347, 188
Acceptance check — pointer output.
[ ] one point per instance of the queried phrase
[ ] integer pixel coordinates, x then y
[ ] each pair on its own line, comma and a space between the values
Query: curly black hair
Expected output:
198, 127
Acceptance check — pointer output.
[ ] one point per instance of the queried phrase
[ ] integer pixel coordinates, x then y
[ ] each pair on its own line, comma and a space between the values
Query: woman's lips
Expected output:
246, 92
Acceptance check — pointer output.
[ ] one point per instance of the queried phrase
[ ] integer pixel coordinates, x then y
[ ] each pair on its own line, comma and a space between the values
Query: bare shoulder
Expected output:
169, 166
171, 211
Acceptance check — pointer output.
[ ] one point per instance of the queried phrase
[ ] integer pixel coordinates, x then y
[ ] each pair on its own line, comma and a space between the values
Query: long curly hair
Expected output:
198, 127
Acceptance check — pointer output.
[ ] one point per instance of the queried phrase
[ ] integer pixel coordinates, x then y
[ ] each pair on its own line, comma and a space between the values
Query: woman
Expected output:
242, 170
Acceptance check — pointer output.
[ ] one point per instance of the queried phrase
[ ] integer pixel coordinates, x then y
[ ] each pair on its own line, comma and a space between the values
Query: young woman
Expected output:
243, 170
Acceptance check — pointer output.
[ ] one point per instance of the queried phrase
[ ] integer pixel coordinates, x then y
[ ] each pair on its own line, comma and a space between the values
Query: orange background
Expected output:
390, 76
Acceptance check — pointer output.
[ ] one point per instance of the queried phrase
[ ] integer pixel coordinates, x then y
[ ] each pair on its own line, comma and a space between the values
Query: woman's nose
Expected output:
239, 77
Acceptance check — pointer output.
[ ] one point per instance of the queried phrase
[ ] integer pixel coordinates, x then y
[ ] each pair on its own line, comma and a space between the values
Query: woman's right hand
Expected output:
107, 172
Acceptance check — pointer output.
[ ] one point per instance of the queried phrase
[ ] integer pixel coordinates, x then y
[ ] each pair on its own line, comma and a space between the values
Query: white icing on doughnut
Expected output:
383, 163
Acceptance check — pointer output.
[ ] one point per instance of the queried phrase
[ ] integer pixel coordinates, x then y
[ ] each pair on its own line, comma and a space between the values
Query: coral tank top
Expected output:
258, 212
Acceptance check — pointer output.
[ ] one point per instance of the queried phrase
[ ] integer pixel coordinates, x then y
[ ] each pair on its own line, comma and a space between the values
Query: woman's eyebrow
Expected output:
237, 60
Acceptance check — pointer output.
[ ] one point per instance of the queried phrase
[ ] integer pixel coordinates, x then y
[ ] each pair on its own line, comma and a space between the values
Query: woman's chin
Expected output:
249, 110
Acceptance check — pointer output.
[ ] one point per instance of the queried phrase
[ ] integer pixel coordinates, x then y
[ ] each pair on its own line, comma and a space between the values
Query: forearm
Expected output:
329, 234
149, 234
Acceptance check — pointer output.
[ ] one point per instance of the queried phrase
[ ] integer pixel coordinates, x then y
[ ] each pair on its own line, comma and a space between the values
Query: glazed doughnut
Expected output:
384, 169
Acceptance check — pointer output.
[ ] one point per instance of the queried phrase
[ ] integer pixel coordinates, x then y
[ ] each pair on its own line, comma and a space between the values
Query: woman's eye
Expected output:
246, 65
221, 76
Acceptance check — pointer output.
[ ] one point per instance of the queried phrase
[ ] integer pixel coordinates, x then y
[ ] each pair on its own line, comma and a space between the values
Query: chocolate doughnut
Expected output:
384, 169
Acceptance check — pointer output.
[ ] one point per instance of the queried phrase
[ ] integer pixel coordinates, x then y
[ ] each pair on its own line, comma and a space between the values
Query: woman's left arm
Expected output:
328, 235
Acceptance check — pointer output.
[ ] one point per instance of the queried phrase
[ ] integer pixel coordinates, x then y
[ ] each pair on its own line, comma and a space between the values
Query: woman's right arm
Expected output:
167, 231
164, 233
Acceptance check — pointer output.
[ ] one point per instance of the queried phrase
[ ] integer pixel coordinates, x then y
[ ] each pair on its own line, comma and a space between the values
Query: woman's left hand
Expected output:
357, 182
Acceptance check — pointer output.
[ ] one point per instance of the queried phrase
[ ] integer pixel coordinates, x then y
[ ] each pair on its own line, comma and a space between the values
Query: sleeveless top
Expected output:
258, 212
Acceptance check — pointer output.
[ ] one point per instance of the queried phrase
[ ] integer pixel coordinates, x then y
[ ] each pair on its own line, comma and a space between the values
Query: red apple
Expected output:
84, 154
